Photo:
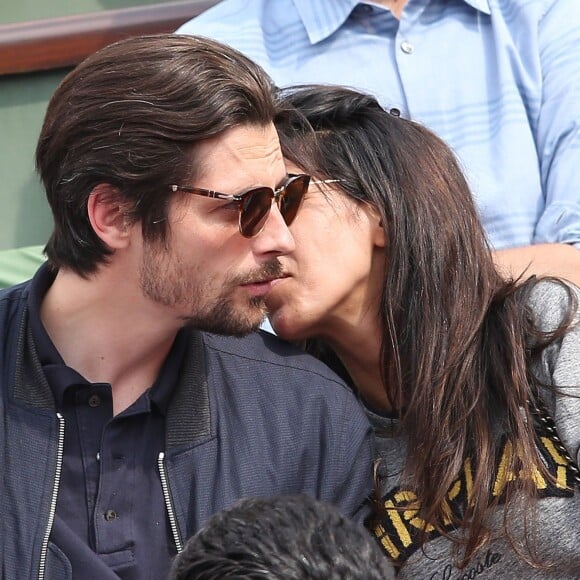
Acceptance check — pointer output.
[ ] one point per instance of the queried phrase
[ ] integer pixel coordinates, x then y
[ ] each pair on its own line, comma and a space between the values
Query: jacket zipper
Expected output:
52, 510
168, 503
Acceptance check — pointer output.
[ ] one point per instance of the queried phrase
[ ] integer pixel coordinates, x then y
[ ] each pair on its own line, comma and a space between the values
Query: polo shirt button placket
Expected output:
94, 401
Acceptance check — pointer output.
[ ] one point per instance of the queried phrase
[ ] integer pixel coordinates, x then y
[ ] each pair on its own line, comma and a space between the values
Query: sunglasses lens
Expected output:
255, 205
291, 199
254, 210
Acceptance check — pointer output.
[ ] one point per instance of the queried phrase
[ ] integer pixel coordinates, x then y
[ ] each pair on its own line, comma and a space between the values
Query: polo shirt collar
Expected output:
160, 393
322, 18
162, 390
39, 286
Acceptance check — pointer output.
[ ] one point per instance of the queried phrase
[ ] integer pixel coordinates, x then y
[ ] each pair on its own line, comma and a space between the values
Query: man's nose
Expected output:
275, 238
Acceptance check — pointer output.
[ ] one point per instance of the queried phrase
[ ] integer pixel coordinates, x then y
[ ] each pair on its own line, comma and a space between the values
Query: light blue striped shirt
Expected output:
499, 80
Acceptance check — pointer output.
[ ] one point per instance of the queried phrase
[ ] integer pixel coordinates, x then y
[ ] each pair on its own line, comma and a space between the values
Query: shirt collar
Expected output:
322, 18
39, 286
162, 390
481, 5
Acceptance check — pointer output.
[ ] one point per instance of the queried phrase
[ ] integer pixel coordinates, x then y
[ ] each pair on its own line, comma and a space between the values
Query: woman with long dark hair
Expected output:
470, 380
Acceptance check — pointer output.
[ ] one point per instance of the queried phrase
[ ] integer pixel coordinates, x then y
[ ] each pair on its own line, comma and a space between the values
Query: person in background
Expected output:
281, 538
135, 398
499, 81
471, 381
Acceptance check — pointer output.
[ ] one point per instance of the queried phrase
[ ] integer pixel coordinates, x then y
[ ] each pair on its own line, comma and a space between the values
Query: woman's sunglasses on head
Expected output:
254, 205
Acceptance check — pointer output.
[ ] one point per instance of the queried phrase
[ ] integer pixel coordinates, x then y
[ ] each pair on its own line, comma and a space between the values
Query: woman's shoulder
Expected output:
551, 301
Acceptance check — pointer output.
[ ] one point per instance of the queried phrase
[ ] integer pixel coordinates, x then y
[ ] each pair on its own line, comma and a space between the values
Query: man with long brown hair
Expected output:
127, 416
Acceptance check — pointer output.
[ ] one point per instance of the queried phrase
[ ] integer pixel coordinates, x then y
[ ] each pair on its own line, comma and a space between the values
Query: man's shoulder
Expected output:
250, 26
263, 379
518, 12
262, 352
223, 16
13, 294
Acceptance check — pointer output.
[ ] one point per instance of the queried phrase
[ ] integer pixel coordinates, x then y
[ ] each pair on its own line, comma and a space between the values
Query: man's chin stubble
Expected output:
226, 320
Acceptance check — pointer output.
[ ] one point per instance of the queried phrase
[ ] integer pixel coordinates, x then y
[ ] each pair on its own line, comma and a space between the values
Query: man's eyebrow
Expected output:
279, 184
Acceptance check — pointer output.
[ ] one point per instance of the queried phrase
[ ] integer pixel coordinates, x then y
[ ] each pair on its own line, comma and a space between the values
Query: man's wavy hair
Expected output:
459, 341
130, 116
281, 538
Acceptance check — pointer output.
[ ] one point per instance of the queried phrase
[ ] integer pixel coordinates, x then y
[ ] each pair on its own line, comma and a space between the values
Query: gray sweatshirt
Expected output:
557, 537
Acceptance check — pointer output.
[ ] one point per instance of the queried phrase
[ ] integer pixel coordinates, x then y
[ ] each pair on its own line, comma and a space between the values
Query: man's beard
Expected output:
166, 281
223, 317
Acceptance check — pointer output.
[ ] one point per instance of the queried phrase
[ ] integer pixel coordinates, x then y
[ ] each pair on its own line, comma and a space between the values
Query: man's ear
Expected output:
108, 216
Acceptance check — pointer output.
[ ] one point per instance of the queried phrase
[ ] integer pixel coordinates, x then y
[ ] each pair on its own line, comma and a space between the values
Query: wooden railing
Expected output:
64, 42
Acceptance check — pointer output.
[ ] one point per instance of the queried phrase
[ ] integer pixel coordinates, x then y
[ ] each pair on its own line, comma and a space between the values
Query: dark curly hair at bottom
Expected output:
281, 538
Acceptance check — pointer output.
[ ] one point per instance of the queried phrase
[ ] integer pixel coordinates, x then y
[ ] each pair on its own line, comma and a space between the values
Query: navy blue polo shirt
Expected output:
111, 520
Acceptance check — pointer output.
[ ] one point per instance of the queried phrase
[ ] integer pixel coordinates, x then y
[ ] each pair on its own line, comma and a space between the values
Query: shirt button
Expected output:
94, 401
407, 47
110, 515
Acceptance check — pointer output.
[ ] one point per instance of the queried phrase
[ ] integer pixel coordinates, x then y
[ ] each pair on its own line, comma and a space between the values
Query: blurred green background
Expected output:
24, 215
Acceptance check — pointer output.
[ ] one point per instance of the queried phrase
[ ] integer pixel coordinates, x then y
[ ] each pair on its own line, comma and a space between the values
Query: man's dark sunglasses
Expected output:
255, 204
